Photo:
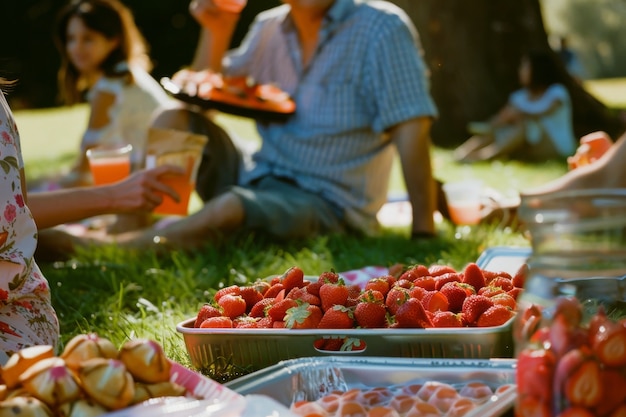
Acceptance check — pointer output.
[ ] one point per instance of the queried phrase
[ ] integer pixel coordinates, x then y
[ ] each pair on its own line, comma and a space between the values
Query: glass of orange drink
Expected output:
464, 201
109, 164
182, 184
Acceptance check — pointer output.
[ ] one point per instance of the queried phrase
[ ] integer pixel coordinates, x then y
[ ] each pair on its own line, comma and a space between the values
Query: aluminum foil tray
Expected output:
311, 378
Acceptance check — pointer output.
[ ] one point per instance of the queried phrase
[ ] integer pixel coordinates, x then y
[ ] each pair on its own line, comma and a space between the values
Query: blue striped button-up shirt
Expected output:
366, 76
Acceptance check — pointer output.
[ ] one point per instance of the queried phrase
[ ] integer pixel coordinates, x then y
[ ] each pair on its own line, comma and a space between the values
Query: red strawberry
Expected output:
474, 306
455, 295
534, 376
418, 292
609, 344
273, 291
329, 277
447, 319
301, 294
304, 316
261, 286
232, 305
570, 308
613, 392
414, 272
519, 277
292, 278
279, 309
264, 322
434, 301
251, 296
205, 312
370, 313
379, 284
427, 282
233, 289
443, 279
411, 314
404, 283
396, 270
490, 291
506, 300
578, 377
259, 310
494, 316
333, 345
333, 294
502, 282
515, 292
217, 322
245, 322
564, 336
314, 287
473, 275
491, 275
371, 295
337, 317
395, 298
436, 270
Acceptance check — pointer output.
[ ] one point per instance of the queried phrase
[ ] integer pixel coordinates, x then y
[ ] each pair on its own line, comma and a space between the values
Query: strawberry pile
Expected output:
412, 297
571, 366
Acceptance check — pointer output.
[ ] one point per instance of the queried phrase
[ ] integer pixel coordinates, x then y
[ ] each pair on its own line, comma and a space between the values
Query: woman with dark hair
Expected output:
535, 124
104, 61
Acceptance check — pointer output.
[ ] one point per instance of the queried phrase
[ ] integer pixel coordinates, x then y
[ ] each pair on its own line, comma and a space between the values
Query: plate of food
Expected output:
240, 96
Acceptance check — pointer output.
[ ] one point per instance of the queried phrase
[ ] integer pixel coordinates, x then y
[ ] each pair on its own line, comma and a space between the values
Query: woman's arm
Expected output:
141, 192
552, 98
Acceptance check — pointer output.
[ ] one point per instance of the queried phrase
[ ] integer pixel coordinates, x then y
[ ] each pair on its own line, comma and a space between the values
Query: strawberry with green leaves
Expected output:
473, 275
332, 294
337, 317
232, 305
412, 314
279, 309
206, 311
395, 298
303, 316
474, 306
370, 312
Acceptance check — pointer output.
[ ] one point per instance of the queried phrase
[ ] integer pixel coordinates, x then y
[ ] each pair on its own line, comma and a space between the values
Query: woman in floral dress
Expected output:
26, 313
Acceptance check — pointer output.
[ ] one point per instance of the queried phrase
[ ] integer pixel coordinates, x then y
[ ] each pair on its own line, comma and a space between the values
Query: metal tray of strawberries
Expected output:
488, 384
236, 352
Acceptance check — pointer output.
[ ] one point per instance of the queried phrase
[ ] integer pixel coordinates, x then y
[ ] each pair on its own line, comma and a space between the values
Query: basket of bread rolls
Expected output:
92, 377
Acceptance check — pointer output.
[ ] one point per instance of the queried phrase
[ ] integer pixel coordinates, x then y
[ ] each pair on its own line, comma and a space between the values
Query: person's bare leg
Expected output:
606, 172
504, 146
467, 150
219, 216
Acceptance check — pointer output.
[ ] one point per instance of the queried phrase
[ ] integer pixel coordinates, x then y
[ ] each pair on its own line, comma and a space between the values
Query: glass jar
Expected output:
570, 335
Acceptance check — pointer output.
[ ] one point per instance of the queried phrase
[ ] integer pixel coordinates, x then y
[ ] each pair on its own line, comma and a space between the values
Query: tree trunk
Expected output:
473, 49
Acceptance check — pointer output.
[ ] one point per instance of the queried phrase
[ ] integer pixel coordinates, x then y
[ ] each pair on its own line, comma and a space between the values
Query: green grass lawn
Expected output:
120, 295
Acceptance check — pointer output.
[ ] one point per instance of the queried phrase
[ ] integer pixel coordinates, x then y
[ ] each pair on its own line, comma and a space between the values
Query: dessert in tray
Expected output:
241, 96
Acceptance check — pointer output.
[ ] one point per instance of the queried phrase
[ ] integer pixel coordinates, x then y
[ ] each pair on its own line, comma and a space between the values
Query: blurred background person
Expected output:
534, 125
105, 62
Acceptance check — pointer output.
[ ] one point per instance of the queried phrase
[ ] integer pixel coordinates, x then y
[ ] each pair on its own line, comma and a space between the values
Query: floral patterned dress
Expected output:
26, 314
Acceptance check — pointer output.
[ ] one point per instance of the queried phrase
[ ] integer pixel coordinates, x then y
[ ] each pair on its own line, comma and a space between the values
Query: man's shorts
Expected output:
274, 205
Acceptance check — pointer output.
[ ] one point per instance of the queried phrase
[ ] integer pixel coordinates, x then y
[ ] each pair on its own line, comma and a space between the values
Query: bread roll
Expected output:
21, 360
81, 408
144, 392
24, 407
145, 360
87, 346
107, 382
51, 381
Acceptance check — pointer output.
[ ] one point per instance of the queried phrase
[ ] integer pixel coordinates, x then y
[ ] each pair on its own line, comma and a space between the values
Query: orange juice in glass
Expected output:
183, 184
464, 201
109, 164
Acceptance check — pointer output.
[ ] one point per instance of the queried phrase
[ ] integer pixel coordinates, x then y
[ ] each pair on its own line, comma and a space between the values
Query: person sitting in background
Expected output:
356, 73
104, 60
27, 316
534, 125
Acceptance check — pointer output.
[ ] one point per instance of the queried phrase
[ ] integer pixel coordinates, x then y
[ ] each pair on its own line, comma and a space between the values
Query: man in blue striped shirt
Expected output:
356, 73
